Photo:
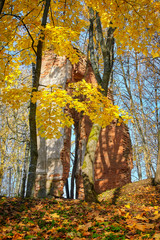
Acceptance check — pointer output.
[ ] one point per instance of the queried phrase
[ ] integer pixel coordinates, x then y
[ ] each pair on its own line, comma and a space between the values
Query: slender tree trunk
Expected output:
9, 184
2, 157
132, 108
147, 156
18, 180
24, 175
157, 178
75, 159
32, 114
137, 156
67, 188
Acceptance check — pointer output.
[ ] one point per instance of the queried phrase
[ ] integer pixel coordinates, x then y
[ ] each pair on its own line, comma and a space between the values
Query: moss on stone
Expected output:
84, 165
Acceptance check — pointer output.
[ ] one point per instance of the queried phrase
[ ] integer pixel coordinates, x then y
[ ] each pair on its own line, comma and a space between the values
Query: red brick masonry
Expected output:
113, 162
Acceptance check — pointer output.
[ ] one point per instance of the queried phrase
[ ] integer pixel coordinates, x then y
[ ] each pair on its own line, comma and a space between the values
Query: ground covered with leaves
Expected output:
130, 212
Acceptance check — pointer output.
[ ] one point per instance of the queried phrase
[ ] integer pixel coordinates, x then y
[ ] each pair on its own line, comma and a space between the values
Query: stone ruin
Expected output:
113, 162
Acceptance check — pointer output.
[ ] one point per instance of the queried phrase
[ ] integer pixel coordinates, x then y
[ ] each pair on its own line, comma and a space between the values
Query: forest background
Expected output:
121, 40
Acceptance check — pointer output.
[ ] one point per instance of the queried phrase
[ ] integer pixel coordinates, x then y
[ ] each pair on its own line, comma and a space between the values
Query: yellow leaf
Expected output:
144, 227
140, 217
154, 54
7, 229
127, 206
127, 215
156, 217
131, 223
54, 215
85, 226
99, 219
140, 227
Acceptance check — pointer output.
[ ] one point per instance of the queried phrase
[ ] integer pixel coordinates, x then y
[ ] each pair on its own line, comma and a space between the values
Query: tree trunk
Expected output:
18, 180
77, 133
147, 157
2, 157
148, 163
88, 164
107, 47
32, 114
67, 188
1, 5
157, 177
24, 175
133, 110
137, 156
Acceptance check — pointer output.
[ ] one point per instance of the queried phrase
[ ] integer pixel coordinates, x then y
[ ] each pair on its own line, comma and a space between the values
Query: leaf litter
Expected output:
134, 215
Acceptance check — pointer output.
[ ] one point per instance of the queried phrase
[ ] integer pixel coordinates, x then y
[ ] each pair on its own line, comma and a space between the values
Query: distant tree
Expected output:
136, 76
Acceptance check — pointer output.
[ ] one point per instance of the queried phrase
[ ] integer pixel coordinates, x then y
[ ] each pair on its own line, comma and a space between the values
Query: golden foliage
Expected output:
136, 22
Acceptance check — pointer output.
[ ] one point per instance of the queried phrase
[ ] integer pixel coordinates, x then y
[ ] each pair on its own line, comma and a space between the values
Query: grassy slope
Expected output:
130, 212
141, 192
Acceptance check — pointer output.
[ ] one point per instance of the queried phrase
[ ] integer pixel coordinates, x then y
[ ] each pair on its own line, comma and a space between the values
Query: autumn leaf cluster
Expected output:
135, 23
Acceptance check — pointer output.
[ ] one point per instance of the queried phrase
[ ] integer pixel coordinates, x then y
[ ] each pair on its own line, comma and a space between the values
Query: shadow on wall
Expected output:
113, 156
42, 186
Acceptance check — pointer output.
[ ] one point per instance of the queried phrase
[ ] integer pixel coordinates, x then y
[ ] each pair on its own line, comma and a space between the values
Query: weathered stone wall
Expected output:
53, 154
113, 154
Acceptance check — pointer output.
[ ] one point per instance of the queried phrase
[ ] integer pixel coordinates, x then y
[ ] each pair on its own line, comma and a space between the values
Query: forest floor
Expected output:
130, 212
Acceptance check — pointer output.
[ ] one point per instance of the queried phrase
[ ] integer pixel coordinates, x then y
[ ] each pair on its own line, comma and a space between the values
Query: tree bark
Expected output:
137, 156
2, 156
32, 114
24, 175
77, 133
157, 177
88, 164
1, 5
67, 188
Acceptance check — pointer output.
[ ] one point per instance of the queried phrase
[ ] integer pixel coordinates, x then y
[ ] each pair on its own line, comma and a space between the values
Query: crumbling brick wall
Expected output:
113, 154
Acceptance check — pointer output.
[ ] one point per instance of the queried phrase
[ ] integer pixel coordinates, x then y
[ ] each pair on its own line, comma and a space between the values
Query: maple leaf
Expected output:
85, 226
141, 217
54, 215
144, 227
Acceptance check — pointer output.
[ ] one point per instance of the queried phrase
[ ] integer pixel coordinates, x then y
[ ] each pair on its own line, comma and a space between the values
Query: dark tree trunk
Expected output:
32, 114
1, 5
67, 188
24, 175
75, 164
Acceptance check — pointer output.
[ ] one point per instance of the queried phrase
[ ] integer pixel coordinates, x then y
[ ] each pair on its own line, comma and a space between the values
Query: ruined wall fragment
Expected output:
53, 154
113, 162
